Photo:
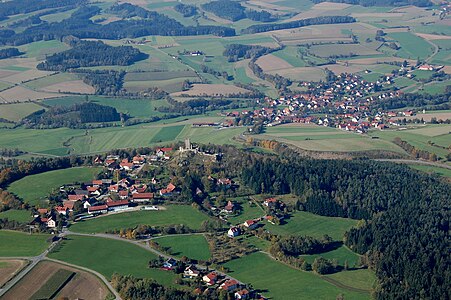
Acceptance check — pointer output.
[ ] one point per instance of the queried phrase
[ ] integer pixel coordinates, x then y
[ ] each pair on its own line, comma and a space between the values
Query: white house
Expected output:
233, 232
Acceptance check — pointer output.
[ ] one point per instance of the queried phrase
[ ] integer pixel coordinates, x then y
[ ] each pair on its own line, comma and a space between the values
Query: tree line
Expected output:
9, 52
420, 3
296, 24
234, 11
186, 10
9, 8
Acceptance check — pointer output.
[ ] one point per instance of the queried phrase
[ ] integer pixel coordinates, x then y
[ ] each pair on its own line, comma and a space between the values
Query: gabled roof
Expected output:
143, 196
98, 207
117, 203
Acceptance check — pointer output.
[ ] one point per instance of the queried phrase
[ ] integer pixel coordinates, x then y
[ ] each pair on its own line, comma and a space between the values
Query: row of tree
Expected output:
421, 3
9, 52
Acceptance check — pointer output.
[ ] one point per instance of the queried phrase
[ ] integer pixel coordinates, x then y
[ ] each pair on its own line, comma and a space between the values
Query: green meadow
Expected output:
22, 216
261, 271
16, 244
108, 256
191, 246
34, 189
171, 215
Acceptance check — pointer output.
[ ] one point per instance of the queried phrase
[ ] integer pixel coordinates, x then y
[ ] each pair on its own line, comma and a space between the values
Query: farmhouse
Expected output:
117, 205
191, 271
251, 224
49, 222
229, 207
230, 285
167, 191
233, 232
270, 202
98, 209
142, 197
61, 210
210, 278
242, 294
76, 197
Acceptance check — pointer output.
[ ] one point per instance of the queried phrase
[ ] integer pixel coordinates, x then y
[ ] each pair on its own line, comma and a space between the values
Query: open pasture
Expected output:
192, 246
363, 279
290, 284
341, 49
17, 111
301, 73
412, 46
47, 278
433, 170
22, 216
172, 215
35, 188
166, 134
212, 90
18, 244
9, 268
304, 223
342, 255
110, 256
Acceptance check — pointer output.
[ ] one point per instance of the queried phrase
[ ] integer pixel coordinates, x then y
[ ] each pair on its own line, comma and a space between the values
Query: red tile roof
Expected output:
98, 207
117, 203
143, 196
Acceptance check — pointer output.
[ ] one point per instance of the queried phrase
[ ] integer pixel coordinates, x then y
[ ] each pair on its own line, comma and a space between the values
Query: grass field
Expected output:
412, 46
260, 270
166, 134
361, 279
17, 111
342, 255
419, 137
177, 214
54, 284
15, 243
247, 212
110, 256
192, 246
22, 216
431, 170
35, 188
304, 223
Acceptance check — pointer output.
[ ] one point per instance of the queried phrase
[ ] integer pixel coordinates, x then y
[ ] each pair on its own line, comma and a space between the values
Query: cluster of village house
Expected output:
213, 280
347, 100
270, 203
96, 197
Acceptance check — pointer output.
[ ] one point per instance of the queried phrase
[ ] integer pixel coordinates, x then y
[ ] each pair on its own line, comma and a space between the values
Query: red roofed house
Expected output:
123, 194
113, 188
141, 197
126, 166
61, 210
229, 285
49, 222
229, 207
242, 294
97, 183
270, 202
251, 224
42, 211
210, 278
117, 205
138, 160
76, 197
98, 209
167, 191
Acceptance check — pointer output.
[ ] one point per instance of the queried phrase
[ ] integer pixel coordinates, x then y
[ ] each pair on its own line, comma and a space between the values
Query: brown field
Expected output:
211, 90
270, 5
6, 73
83, 286
376, 60
73, 86
428, 117
302, 73
330, 6
271, 62
10, 270
20, 94
20, 77
431, 37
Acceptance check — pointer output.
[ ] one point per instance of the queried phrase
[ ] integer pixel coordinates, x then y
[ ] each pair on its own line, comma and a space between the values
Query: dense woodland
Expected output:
9, 8
186, 10
300, 23
91, 54
427, 101
234, 11
420, 3
73, 116
234, 52
9, 52
105, 82
80, 25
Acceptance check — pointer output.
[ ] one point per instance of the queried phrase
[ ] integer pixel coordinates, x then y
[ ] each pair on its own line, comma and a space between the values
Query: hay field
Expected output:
341, 49
302, 73
21, 94
271, 62
17, 111
211, 90
9, 268
83, 286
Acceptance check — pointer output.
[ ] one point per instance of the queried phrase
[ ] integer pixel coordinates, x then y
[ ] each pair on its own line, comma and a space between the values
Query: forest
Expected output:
72, 117
226, 9
420, 3
91, 54
300, 23
9, 8
105, 82
186, 10
80, 25
234, 52
9, 52
427, 101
